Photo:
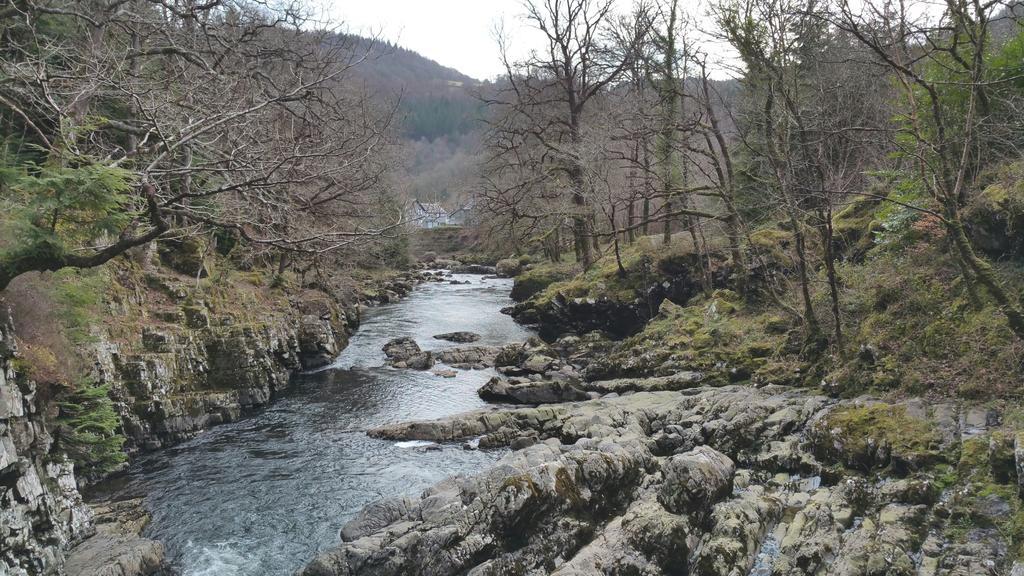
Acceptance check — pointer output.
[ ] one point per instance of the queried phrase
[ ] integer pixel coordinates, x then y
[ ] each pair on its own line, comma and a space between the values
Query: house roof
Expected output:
432, 208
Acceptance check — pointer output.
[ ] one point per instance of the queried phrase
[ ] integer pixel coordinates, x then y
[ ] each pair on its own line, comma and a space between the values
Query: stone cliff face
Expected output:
178, 364
41, 511
184, 379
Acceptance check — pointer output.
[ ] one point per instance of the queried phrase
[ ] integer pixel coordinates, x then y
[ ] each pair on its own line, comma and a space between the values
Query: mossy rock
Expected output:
995, 216
510, 267
982, 497
535, 280
773, 244
187, 256
876, 436
853, 227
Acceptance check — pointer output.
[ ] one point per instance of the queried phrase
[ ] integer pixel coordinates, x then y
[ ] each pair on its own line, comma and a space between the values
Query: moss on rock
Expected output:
876, 436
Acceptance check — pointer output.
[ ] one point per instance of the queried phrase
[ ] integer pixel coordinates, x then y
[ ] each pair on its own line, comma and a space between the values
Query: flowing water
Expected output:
263, 495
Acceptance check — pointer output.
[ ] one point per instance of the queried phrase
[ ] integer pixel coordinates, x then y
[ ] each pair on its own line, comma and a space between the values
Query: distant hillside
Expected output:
436, 99
438, 116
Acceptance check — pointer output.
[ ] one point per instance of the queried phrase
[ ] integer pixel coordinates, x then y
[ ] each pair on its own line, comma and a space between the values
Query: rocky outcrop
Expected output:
117, 548
186, 378
723, 481
562, 312
526, 391
565, 386
41, 511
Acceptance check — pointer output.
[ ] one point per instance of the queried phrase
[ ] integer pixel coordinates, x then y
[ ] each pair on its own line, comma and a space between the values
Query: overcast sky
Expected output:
455, 33
460, 33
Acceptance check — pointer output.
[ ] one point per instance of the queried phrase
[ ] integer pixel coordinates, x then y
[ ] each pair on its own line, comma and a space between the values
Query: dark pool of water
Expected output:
263, 495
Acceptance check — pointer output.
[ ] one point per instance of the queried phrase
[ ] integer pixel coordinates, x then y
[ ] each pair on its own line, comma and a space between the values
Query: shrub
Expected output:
88, 431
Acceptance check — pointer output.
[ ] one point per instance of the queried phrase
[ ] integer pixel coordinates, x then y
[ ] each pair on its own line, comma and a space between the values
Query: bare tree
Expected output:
546, 98
148, 118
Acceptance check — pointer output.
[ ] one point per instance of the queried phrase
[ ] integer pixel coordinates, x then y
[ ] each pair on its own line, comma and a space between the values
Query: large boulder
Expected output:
994, 217
523, 391
509, 267
695, 480
405, 353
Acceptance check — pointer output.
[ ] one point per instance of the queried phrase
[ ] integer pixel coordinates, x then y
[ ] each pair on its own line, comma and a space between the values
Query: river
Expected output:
263, 495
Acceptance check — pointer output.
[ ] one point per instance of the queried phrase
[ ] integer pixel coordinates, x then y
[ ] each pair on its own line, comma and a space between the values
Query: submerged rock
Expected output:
459, 337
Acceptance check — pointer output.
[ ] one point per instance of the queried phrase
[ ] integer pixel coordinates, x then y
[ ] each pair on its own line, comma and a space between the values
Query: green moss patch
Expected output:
719, 336
538, 277
982, 499
877, 436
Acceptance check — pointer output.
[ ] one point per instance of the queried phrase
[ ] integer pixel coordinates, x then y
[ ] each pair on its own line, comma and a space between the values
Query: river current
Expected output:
262, 496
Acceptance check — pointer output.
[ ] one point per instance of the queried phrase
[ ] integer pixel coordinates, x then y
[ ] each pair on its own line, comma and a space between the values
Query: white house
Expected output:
429, 214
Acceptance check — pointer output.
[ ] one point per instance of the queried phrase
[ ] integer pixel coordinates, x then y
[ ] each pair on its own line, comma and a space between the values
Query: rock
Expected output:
444, 373
537, 363
530, 357
992, 506
522, 442
499, 389
474, 269
459, 337
909, 491
187, 256
692, 479
400, 349
695, 480
739, 526
871, 435
405, 353
158, 341
517, 519
469, 357
509, 267
317, 345
41, 510
376, 516
117, 549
